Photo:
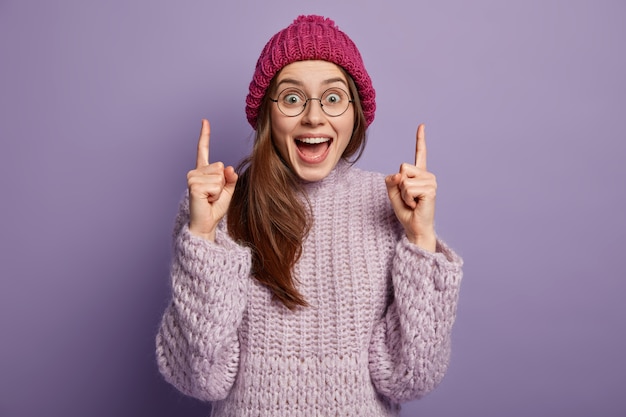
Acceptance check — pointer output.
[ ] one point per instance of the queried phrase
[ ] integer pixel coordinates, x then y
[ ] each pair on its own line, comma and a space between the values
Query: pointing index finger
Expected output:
203, 144
420, 148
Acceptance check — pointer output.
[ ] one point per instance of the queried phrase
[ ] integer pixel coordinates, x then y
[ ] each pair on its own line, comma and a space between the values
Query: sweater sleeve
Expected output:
197, 345
410, 346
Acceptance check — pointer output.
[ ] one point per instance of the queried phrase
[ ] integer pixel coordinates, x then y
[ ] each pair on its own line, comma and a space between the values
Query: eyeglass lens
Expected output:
293, 101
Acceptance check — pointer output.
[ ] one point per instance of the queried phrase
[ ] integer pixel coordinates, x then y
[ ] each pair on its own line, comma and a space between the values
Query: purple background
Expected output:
100, 108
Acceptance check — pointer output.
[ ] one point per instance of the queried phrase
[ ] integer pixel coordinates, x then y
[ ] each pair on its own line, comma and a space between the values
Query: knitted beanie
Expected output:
309, 38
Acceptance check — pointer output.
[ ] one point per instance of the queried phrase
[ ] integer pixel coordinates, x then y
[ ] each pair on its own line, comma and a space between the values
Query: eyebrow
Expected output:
301, 84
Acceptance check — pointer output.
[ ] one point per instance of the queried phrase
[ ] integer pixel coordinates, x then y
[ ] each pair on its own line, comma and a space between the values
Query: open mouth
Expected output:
313, 149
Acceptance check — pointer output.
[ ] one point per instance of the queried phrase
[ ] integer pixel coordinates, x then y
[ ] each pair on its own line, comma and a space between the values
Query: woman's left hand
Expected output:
412, 193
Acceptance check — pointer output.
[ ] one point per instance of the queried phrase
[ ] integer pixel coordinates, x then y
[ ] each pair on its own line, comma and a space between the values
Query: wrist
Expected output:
210, 236
426, 241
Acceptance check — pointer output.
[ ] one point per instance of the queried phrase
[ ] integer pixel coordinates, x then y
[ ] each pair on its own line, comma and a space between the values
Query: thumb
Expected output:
231, 178
395, 195
392, 181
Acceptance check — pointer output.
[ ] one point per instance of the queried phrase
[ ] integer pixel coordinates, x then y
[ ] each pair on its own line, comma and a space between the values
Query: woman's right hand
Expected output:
211, 188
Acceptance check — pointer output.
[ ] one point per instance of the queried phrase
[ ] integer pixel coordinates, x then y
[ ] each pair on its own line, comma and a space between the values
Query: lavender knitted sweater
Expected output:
377, 332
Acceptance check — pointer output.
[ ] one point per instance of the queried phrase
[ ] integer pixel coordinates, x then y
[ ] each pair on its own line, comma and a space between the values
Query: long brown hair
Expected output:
266, 214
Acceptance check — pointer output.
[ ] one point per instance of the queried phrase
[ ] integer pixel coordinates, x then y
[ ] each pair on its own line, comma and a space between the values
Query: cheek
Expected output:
278, 123
280, 138
346, 128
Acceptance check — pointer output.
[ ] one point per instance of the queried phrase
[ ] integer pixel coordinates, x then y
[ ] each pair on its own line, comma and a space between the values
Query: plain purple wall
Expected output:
524, 101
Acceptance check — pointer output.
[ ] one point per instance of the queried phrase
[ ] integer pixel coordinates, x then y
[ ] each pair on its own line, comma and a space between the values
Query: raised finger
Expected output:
420, 148
203, 144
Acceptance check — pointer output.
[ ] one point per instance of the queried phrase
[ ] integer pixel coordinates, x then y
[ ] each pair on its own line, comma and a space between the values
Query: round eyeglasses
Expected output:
292, 101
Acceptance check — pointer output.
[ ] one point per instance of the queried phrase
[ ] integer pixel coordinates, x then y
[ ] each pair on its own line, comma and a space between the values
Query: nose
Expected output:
313, 113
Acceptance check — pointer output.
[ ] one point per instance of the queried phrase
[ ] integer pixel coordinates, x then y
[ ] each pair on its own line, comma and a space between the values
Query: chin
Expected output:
313, 174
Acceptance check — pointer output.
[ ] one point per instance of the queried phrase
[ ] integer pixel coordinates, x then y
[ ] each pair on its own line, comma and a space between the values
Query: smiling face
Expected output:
312, 142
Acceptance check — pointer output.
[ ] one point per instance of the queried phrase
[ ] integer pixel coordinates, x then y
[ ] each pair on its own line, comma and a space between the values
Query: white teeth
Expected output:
312, 141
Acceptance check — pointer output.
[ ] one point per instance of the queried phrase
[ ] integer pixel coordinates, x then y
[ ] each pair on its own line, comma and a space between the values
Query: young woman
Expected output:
303, 286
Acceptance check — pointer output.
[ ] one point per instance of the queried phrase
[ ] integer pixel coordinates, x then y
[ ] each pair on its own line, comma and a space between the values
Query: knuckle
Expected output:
192, 181
404, 167
196, 187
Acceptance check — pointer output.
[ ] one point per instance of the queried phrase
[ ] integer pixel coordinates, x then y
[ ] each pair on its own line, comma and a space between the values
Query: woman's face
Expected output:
312, 142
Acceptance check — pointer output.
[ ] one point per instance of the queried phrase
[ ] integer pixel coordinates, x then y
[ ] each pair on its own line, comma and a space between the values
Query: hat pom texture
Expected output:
309, 38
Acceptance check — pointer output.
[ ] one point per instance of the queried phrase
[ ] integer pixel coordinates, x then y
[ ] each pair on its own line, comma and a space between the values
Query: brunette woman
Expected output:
303, 286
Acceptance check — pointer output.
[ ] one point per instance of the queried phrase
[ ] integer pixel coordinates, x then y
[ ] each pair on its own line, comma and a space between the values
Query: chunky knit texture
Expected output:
377, 332
307, 38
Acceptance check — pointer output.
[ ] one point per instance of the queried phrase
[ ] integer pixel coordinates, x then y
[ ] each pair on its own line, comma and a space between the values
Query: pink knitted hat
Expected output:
309, 38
